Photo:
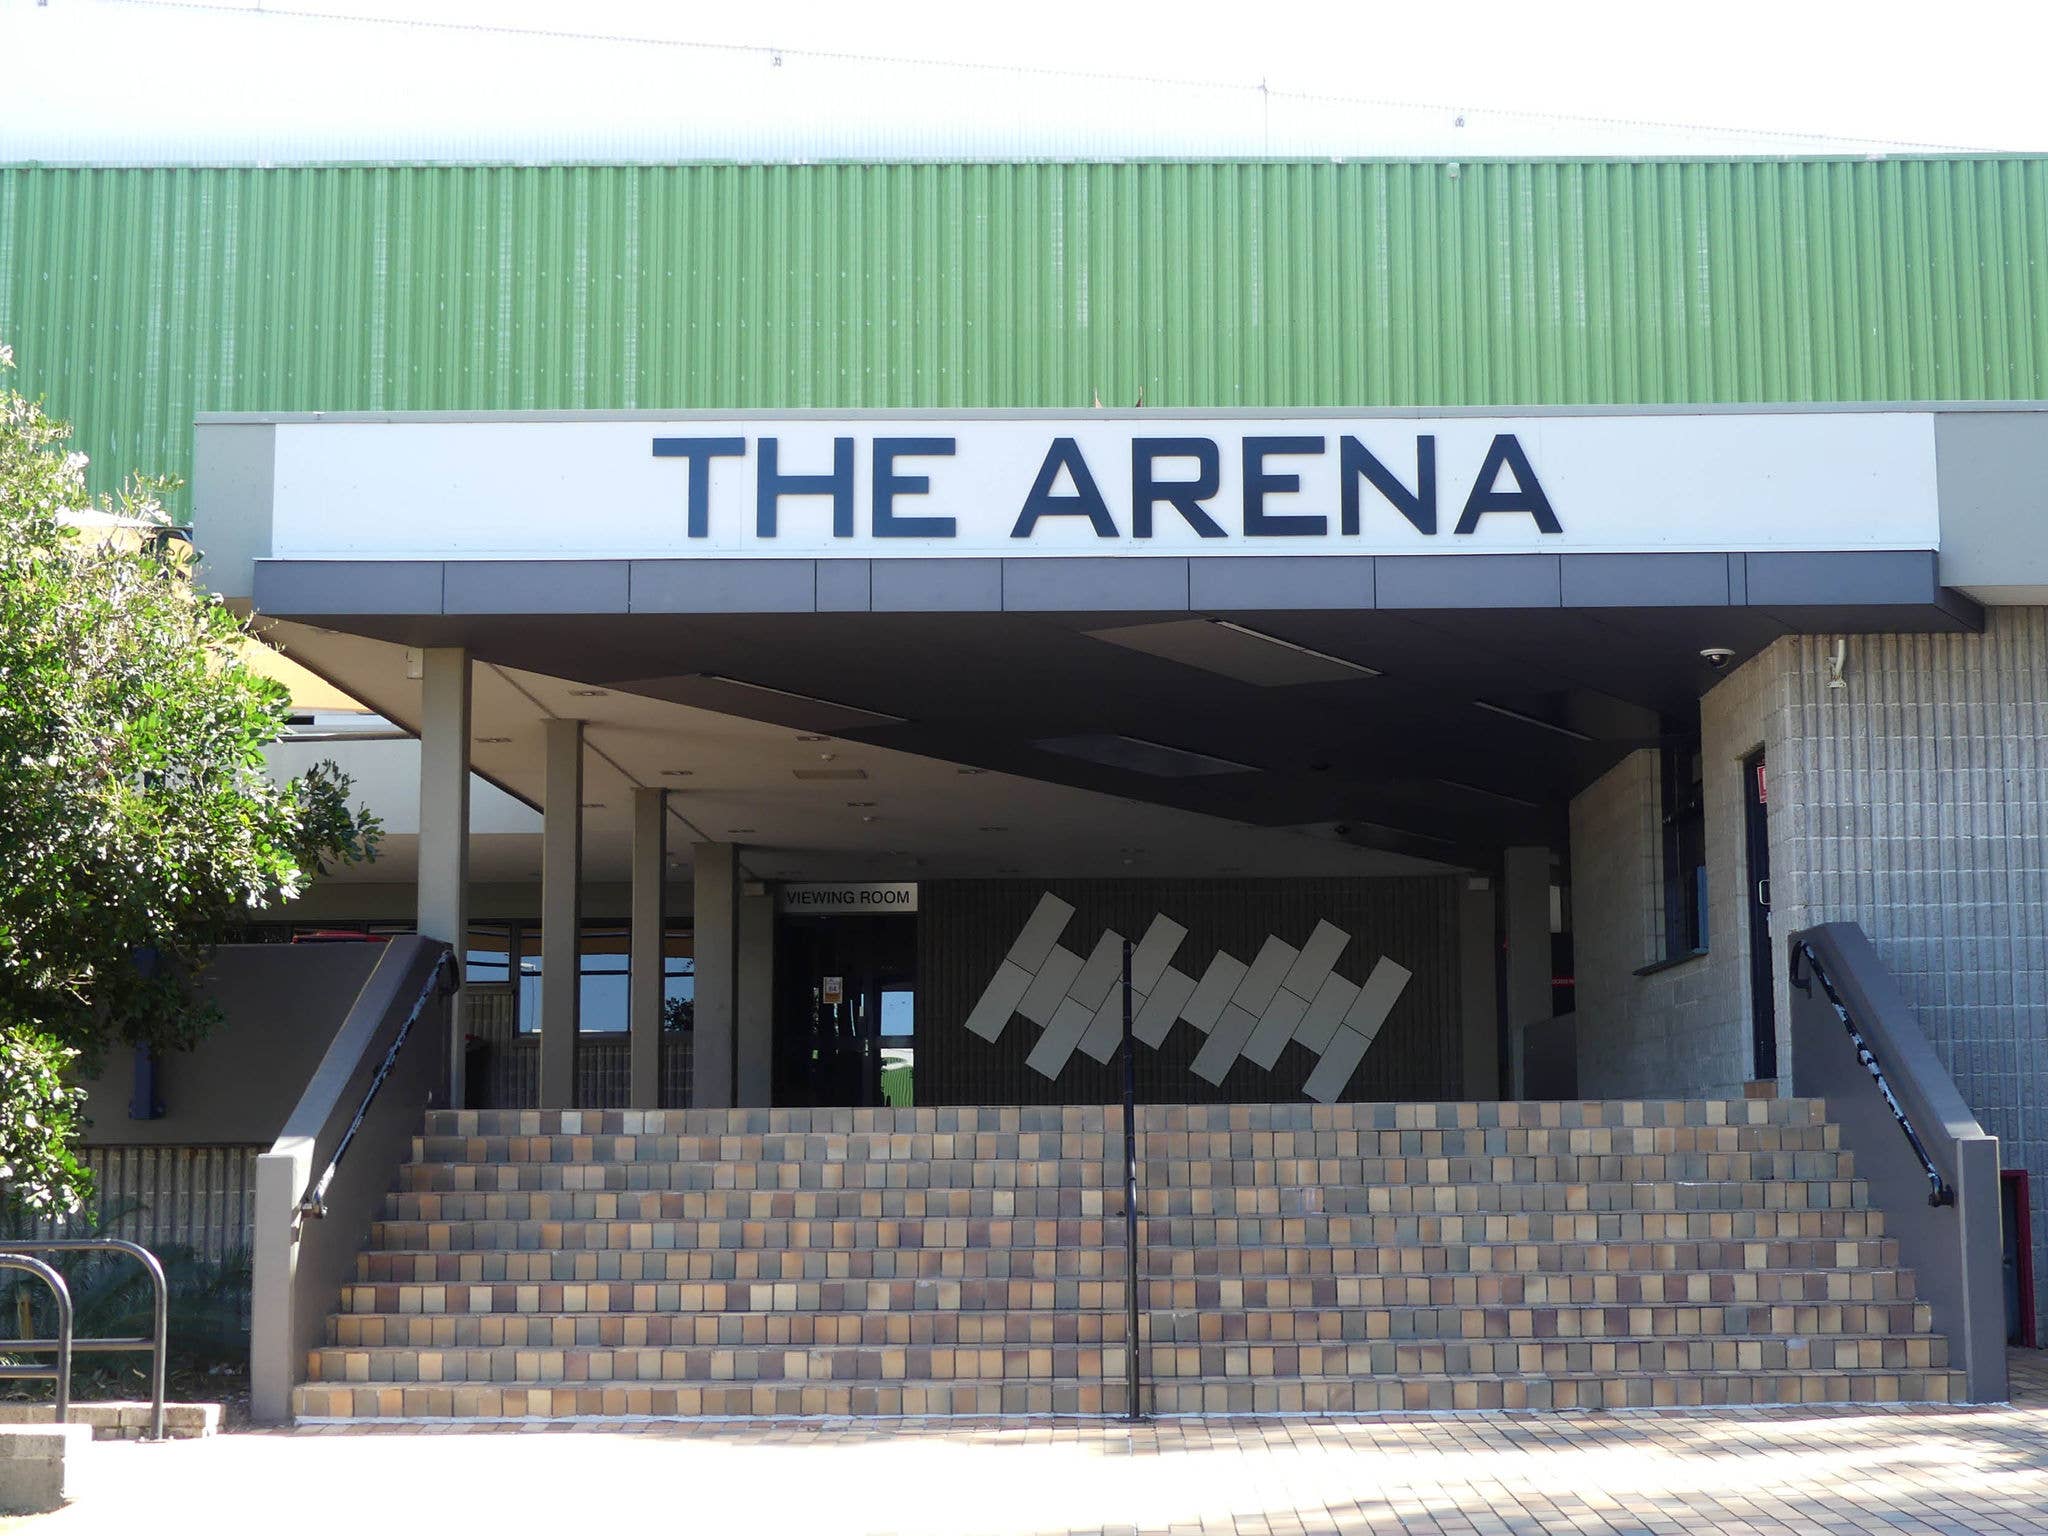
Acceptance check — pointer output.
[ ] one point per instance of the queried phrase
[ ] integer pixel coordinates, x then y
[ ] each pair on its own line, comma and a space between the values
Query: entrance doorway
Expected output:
846, 1010
1763, 996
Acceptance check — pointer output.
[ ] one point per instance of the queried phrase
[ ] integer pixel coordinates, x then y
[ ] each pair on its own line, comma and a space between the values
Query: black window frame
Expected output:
1681, 807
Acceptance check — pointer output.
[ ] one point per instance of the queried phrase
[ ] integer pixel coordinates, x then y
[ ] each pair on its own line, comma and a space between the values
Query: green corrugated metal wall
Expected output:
137, 297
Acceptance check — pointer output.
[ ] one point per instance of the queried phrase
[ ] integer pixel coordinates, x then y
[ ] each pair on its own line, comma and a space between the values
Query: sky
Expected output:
147, 80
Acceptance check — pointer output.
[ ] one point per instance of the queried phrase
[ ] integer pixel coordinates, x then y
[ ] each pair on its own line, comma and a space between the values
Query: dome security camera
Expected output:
1717, 657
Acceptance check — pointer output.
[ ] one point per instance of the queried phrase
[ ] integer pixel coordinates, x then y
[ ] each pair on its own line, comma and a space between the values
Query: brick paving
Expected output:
1752, 1471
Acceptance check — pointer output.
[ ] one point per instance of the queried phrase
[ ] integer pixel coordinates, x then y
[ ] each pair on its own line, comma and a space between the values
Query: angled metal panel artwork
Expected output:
1251, 1011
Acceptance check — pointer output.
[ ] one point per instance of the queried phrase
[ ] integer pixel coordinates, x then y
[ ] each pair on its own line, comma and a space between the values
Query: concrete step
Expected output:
536, 1399
1234, 1119
1686, 1170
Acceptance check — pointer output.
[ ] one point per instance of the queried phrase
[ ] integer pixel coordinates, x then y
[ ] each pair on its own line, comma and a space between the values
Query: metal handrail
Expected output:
1940, 1192
314, 1202
1132, 1408
28, 1265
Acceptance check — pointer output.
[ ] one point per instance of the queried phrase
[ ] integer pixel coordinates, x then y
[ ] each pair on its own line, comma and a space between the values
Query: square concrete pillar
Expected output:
1525, 898
714, 1077
1479, 987
756, 1028
646, 942
444, 824
561, 913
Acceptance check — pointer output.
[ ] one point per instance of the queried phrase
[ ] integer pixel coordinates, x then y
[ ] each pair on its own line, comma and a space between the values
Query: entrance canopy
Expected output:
1388, 637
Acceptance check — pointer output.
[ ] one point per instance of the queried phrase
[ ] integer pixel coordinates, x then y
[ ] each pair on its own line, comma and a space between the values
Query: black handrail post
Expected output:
1131, 1405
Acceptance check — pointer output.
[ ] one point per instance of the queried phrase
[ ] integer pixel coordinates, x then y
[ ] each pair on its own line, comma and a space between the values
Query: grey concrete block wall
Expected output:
1912, 801
1638, 1035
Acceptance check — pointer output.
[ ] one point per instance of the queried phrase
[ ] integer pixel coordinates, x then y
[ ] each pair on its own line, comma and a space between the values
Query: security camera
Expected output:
1717, 657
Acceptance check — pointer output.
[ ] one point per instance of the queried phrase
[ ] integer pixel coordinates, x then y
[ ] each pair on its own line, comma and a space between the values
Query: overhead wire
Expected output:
1261, 88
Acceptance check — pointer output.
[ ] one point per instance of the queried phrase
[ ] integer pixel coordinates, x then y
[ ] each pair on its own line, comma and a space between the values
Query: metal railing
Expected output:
1133, 1410
1940, 1191
61, 1294
21, 1256
443, 979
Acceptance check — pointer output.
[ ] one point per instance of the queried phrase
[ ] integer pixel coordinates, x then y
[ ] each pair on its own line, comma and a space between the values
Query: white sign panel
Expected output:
840, 898
1100, 485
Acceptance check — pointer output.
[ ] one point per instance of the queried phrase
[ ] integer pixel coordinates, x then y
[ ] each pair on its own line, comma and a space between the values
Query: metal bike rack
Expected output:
20, 1256
62, 1369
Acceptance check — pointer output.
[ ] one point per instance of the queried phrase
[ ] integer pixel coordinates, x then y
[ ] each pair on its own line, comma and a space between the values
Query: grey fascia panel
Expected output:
1644, 581
1841, 578
1095, 584
843, 586
723, 586
1269, 583
1994, 500
234, 483
308, 588
935, 586
534, 586
1468, 581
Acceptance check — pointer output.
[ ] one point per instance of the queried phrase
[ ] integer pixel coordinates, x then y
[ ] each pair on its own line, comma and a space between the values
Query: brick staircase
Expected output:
1295, 1258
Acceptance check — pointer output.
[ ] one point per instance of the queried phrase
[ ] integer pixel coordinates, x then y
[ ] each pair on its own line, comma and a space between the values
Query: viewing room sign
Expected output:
1151, 483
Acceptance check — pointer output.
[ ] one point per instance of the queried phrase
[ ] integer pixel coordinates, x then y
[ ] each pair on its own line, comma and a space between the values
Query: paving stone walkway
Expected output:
1758, 1471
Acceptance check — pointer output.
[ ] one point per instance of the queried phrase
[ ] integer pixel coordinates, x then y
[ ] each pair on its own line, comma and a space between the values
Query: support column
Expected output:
645, 945
561, 912
444, 825
715, 921
1526, 910
756, 1029
1479, 988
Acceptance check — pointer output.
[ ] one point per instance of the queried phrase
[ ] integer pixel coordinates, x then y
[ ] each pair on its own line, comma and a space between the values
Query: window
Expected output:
603, 971
1683, 808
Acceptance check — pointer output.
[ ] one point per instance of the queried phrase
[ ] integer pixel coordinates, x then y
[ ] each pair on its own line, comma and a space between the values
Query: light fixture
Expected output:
1481, 789
593, 805
1536, 720
809, 738
586, 693
1342, 662
860, 805
493, 741
860, 716
678, 773
970, 770
1133, 754
738, 831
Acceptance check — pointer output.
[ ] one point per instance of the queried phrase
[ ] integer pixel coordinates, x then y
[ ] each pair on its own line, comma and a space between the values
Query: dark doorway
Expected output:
1763, 1001
845, 1010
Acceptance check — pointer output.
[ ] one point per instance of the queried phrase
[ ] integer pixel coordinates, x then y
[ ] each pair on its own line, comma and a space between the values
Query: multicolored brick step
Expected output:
1303, 1244
1155, 1148
1343, 1395
1164, 1275
1016, 1119
1431, 1174
1542, 1207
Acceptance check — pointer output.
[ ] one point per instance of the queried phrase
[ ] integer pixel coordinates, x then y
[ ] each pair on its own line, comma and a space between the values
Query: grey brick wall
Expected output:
1914, 801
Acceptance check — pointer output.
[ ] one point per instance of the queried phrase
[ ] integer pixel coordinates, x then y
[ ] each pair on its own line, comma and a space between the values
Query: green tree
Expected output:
138, 823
